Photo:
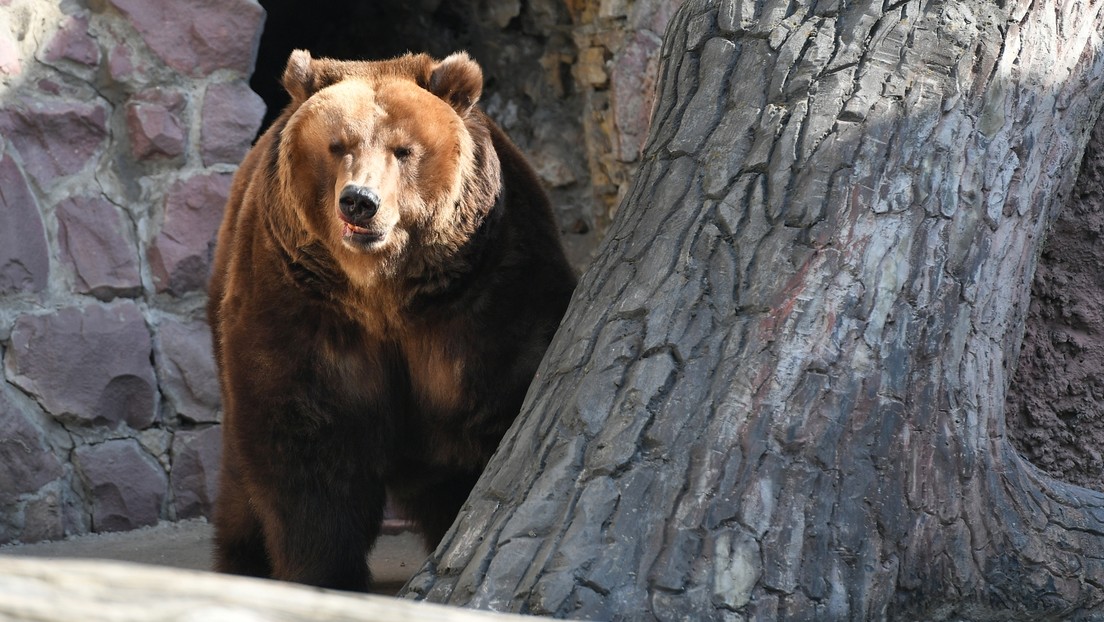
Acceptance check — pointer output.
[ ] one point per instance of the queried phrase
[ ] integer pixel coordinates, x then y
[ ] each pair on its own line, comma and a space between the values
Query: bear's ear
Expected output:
299, 76
458, 80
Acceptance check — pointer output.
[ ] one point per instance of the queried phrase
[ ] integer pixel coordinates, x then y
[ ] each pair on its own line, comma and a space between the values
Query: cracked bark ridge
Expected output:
779, 391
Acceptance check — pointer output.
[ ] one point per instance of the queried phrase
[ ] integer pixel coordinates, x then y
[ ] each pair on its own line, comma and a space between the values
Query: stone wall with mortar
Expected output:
122, 122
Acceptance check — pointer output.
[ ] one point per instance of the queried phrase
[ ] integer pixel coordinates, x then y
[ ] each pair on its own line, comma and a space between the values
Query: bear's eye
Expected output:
402, 153
337, 148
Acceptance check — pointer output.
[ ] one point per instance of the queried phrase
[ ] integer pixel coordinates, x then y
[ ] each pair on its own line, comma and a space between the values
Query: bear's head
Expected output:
387, 163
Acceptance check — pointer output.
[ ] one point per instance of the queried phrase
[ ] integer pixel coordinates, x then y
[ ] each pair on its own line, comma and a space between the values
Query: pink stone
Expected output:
232, 112
49, 86
186, 368
119, 63
180, 256
56, 138
153, 124
24, 255
128, 486
87, 364
73, 42
198, 36
96, 242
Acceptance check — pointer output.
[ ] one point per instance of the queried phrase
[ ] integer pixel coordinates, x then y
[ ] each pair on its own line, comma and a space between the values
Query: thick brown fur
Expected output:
382, 357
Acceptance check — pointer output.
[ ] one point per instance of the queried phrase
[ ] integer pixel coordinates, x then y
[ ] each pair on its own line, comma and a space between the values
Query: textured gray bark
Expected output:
779, 391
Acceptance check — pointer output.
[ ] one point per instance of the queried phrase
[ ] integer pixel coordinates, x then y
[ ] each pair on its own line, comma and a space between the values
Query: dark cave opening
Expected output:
353, 30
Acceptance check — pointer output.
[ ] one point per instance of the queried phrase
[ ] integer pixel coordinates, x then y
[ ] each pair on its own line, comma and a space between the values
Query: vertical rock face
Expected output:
121, 123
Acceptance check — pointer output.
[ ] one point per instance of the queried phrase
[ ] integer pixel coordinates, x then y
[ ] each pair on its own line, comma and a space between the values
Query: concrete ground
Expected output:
187, 544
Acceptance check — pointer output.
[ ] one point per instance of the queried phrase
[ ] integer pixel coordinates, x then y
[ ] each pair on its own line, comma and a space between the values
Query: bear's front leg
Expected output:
320, 507
239, 537
304, 478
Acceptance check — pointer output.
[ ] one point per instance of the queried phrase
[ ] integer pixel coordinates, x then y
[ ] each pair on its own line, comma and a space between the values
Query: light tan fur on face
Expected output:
348, 133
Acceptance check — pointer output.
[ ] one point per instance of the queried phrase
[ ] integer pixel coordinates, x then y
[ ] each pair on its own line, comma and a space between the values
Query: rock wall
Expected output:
120, 135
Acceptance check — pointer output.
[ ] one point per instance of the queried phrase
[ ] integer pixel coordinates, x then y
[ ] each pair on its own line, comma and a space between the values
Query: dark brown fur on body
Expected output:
353, 369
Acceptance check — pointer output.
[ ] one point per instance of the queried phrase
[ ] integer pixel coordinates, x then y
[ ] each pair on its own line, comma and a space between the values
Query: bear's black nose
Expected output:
358, 203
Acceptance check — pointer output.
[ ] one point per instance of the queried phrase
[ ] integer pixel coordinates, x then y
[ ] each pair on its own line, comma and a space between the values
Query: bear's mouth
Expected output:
351, 229
359, 236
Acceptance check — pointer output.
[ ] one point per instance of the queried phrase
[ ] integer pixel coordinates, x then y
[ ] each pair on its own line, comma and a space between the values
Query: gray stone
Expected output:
157, 442
56, 138
44, 517
127, 486
194, 477
72, 42
88, 365
24, 256
550, 163
180, 256
26, 462
154, 125
199, 36
232, 112
186, 365
96, 242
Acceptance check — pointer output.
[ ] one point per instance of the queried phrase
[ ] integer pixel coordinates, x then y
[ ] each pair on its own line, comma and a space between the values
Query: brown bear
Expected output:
388, 276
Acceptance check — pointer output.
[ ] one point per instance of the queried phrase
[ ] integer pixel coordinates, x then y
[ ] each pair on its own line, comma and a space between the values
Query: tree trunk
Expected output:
779, 391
